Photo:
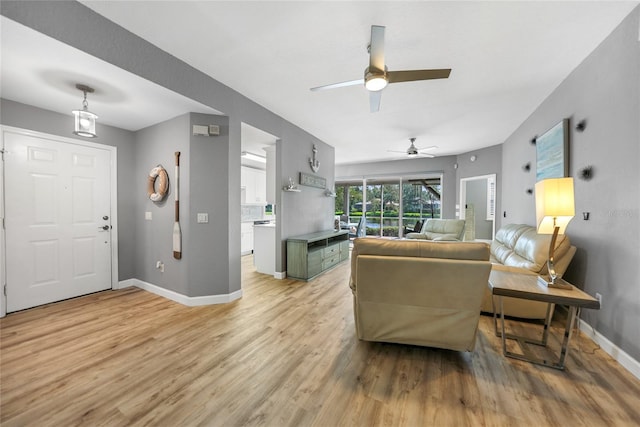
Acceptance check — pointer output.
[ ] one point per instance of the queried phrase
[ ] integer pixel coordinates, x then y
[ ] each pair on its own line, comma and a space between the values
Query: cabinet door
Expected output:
247, 180
254, 182
246, 238
260, 186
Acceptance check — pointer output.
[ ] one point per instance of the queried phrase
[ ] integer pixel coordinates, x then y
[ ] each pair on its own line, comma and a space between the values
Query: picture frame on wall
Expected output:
552, 152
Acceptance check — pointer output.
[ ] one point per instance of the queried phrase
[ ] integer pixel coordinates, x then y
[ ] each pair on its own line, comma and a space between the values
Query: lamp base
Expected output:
558, 284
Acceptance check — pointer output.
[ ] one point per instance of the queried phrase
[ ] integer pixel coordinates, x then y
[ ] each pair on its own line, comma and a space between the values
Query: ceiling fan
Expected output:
376, 75
413, 151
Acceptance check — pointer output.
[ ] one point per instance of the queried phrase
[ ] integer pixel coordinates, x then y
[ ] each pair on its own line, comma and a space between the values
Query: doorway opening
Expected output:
478, 206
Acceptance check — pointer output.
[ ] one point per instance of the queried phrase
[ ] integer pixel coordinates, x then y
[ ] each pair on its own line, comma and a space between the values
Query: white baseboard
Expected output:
126, 284
182, 299
628, 362
280, 274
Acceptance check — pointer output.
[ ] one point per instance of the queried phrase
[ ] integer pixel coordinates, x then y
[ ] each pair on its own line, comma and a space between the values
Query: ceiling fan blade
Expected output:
433, 147
376, 48
374, 101
413, 75
427, 155
397, 151
337, 85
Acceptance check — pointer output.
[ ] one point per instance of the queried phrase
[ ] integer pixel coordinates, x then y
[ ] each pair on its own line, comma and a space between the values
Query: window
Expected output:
392, 206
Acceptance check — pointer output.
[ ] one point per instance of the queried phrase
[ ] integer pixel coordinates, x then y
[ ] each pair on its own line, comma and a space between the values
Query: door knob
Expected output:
104, 227
105, 217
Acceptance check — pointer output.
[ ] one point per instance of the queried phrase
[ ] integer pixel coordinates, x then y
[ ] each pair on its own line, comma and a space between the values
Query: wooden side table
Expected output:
516, 285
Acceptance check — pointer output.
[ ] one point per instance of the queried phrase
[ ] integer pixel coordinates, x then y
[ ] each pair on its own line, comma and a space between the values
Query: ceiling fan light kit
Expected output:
375, 80
84, 120
377, 76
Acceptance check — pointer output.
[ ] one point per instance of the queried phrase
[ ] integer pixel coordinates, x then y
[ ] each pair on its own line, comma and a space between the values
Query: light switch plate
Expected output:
148, 216
203, 218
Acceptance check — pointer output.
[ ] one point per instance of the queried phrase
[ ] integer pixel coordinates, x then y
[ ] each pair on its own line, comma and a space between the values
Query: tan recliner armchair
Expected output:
419, 292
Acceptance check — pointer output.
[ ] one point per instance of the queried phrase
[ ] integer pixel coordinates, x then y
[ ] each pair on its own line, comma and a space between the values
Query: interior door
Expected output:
57, 212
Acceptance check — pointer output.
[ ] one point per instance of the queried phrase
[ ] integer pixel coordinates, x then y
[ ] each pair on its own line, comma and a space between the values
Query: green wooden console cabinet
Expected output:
311, 254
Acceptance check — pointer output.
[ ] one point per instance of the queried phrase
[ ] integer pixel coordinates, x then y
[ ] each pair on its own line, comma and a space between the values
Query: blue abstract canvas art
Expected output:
552, 152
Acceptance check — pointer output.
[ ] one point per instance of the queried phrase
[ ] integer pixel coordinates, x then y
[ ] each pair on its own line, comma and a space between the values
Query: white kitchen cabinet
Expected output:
254, 182
264, 254
261, 186
246, 238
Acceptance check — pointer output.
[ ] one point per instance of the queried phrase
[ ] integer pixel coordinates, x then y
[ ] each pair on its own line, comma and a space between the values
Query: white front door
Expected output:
57, 219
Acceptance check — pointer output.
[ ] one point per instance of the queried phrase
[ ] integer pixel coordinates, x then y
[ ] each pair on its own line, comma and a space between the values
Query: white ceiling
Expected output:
40, 71
507, 57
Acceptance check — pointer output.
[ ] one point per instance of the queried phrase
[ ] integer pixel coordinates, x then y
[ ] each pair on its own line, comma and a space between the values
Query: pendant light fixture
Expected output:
85, 120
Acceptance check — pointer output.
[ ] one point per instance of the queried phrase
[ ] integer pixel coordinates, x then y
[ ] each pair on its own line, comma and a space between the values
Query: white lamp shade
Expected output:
555, 205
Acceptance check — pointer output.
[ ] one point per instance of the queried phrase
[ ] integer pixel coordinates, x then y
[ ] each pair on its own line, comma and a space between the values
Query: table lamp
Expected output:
554, 209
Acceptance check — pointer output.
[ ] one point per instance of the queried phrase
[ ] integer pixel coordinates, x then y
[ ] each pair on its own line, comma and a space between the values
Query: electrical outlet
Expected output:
599, 298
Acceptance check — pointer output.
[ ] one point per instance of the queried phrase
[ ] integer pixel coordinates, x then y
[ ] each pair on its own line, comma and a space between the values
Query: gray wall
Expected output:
309, 210
604, 90
208, 246
154, 146
439, 165
28, 117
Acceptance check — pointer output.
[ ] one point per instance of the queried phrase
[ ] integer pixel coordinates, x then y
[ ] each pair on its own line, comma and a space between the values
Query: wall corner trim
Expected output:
620, 356
179, 298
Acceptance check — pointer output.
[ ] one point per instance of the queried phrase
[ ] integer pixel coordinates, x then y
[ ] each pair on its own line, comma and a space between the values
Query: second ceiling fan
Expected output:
414, 151
377, 76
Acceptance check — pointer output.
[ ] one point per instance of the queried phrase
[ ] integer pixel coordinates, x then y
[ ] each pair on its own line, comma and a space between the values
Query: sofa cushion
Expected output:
421, 248
519, 245
416, 248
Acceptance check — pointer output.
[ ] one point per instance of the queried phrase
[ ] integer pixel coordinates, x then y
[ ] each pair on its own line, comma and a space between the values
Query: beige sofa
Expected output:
418, 292
519, 248
440, 229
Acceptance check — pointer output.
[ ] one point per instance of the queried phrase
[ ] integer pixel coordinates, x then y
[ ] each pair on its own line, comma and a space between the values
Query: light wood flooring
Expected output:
285, 354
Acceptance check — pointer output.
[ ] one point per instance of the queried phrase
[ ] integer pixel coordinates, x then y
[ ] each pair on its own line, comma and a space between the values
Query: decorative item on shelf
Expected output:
313, 161
526, 167
329, 193
554, 210
586, 173
529, 191
581, 126
85, 120
291, 186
